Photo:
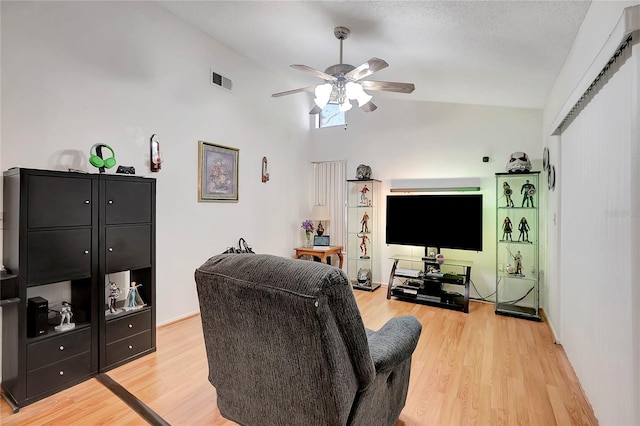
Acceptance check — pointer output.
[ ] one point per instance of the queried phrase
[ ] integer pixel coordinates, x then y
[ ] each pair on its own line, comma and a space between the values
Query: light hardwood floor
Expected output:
476, 368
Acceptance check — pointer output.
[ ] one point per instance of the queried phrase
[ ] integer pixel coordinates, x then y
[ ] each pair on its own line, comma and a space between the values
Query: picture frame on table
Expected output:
217, 172
431, 252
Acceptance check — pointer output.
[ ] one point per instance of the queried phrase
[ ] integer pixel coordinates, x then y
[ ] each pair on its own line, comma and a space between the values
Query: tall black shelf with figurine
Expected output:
65, 233
363, 201
517, 245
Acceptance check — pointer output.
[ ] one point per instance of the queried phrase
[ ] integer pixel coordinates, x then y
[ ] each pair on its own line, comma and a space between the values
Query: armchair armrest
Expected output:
394, 342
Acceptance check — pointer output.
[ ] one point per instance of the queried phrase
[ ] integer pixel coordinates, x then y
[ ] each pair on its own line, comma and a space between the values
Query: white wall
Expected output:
604, 357
405, 139
77, 73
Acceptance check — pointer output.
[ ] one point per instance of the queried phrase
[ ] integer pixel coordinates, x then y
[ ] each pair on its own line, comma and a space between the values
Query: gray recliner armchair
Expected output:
286, 345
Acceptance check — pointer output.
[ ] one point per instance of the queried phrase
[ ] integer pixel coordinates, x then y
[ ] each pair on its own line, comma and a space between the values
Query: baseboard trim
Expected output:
130, 399
177, 319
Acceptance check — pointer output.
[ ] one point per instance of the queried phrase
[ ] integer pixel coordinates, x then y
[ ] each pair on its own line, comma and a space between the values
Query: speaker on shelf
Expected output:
37, 316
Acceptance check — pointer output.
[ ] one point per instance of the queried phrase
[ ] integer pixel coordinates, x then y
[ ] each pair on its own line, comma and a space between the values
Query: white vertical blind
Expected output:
598, 250
330, 183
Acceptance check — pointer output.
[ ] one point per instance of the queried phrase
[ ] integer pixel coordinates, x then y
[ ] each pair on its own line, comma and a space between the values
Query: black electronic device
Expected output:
438, 220
127, 170
37, 316
321, 240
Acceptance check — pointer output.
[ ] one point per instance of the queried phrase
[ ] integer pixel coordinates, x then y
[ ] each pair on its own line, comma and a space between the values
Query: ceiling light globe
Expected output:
323, 93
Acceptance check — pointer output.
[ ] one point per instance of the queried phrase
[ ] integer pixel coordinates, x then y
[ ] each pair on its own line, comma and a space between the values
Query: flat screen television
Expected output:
442, 221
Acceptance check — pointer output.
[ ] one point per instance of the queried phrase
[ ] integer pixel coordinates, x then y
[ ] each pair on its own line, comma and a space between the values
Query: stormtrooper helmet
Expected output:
518, 163
363, 172
364, 277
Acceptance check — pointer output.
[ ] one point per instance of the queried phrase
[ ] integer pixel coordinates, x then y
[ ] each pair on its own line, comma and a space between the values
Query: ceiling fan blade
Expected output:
315, 72
315, 110
388, 86
366, 69
369, 107
291, 92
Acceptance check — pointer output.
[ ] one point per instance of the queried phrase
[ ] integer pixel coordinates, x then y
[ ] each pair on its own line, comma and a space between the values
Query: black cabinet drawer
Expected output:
129, 347
58, 201
127, 247
127, 202
128, 326
65, 345
54, 375
58, 255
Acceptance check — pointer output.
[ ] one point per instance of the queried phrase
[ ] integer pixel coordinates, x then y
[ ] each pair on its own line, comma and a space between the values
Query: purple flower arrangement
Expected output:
307, 225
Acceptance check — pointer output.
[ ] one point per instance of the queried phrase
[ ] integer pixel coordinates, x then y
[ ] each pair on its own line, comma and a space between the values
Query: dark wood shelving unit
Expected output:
62, 234
424, 288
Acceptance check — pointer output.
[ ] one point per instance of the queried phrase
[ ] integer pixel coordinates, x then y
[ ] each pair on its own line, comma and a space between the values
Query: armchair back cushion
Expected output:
282, 333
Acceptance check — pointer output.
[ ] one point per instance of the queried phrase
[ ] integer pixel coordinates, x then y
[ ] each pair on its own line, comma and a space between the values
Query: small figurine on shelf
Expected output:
365, 223
363, 246
523, 227
134, 301
114, 293
518, 260
65, 314
507, 229
364, 200
507, 194
432, 271
529, 190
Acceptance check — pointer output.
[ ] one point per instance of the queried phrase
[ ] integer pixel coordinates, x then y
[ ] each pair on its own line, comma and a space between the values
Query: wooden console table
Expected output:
320, 253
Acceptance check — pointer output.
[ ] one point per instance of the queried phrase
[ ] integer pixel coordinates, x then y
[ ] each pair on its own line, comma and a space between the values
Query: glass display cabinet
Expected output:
517, 245
363, 234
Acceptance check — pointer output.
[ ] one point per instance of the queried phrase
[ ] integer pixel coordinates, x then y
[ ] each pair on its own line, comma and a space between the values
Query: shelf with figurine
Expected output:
121, 303
517, 236
363, 201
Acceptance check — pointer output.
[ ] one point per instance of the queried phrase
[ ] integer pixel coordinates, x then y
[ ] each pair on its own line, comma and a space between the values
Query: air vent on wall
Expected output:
220, 81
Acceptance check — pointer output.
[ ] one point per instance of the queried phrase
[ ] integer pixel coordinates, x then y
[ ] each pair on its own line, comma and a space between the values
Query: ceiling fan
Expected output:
343, 82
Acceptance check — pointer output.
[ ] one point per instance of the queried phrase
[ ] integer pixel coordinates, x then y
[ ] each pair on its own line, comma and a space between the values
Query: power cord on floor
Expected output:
511, 302
481, 298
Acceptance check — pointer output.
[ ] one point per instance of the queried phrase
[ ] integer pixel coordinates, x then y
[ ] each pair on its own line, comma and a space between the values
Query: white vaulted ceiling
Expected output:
505, 53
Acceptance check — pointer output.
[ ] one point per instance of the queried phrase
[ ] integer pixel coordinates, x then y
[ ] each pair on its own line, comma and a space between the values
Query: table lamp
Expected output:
320, 213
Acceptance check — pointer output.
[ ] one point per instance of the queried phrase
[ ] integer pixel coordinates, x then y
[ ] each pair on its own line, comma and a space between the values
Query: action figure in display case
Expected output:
365, 223
364, 200
529, 190
363, 246
518, 260
507, 194
507, 229
523, 227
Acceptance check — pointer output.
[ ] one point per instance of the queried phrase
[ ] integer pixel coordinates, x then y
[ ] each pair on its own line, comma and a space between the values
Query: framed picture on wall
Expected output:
217, 172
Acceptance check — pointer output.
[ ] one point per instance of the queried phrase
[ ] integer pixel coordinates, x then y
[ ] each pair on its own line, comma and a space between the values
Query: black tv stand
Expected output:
416, 286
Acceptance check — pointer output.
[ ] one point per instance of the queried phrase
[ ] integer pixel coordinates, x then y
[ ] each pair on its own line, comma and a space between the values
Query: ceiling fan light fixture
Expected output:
363, 99
346, 105
323, 93
355, 91
344, 83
